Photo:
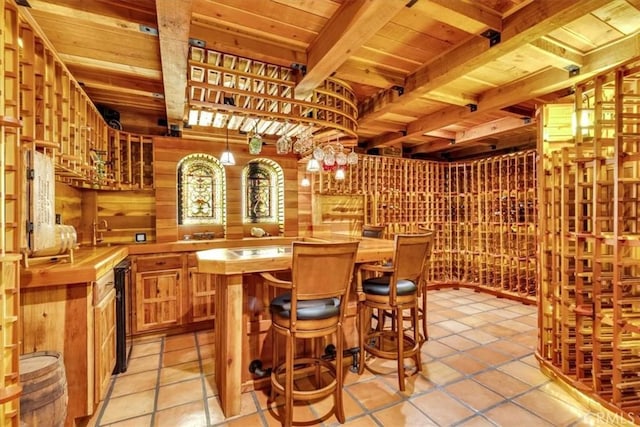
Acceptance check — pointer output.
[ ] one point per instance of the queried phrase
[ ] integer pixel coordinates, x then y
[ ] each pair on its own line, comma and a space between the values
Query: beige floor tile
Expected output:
525, 372
144, 421
436, 349
403, 414
499, 331
129, 406
206, 337
176, 357
442, 408
549, 408
364, 421
187, 415
252, 420
141, 364
181, 372
374, 394
464, 364
207, 351
481, 337
477, 421
179, 393
509, 414
179, 342
458, 342
135, 383
510, 348
474, 394
441, 374
146, 349
437, 332
501, 383
488, 356
325, 406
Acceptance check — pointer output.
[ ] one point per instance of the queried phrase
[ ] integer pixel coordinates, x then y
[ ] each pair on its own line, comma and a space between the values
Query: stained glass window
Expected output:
200, 190
263, 184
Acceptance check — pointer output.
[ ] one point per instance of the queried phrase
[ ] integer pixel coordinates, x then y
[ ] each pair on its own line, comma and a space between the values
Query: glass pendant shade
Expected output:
226, 159
340, 174
283, 145
305, 182
352, 158
313, 165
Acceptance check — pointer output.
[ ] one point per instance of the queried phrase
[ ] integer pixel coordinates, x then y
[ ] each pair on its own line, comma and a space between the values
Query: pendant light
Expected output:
226, 159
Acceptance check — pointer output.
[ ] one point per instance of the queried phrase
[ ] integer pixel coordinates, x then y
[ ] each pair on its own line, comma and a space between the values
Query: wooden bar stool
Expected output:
314, 307
393, 291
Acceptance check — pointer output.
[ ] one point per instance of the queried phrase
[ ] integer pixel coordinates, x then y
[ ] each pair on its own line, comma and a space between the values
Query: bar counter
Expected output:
240, 300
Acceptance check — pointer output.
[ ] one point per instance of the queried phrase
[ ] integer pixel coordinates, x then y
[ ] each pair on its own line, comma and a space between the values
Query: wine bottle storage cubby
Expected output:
59, 120
483, 214
590, 239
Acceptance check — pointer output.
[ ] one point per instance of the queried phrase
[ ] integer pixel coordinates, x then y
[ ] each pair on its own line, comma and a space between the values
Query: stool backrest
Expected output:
412, 251
322, 270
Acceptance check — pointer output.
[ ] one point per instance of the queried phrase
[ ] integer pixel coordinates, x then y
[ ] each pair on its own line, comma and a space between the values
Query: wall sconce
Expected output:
226, 159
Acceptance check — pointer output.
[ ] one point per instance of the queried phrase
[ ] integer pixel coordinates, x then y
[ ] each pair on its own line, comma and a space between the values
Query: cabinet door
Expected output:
105, 343
157, 299
202, 293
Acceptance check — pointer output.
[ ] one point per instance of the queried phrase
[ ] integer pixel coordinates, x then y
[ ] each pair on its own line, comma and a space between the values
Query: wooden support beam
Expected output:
470, 17
530, 23
96, 64
561, 55
350, 27
520, 91
494, 127
174, 22
81, 15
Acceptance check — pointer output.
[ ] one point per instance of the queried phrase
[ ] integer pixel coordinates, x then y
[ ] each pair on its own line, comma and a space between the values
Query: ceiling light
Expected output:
226, 159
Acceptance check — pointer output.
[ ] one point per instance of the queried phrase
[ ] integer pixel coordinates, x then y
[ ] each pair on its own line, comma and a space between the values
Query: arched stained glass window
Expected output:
201, 187
263, 184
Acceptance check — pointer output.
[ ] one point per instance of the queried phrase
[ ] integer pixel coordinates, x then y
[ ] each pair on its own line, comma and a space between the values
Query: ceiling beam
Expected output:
96, 64
527, 24
494, 127
77, 14
174, 22
522, 90
349, 28
470, 17
560, 55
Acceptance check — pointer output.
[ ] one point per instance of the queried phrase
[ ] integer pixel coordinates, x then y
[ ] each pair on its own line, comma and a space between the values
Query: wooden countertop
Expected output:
89, 264
200, 245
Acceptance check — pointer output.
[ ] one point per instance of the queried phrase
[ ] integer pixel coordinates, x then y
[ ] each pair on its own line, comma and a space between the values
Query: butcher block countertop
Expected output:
89, 264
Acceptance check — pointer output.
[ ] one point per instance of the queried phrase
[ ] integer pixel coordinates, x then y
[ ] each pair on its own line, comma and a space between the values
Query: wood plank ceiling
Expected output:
428, 75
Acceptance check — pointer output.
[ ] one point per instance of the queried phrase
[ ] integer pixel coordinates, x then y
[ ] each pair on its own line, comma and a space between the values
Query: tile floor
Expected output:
478, 370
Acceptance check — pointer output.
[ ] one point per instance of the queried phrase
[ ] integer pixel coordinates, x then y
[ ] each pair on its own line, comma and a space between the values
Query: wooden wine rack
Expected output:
590, 239
483, 214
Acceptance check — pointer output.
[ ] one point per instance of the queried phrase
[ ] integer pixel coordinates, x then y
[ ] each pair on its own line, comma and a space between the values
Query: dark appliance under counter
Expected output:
122, 280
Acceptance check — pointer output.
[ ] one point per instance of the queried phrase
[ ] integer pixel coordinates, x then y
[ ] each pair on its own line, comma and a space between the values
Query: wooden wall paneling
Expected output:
126, 213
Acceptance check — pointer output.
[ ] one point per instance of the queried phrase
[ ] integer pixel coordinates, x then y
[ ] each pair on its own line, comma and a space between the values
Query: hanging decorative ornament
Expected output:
318, 153
329, 157
283, 145
255, 144
341, 158
352, 158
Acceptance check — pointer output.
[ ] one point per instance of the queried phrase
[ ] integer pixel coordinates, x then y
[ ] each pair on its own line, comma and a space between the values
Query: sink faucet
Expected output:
97, 235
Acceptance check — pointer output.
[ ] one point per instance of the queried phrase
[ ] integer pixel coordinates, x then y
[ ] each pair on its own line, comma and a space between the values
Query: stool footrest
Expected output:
307, 367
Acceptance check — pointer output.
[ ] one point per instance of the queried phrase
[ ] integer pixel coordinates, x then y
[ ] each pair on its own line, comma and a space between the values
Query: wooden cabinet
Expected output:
104, 314
158, 292
164, 299
201, 291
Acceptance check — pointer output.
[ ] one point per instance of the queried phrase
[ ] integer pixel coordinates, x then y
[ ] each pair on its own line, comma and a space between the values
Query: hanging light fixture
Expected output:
305, 182
313, 165
226, 159
340, 174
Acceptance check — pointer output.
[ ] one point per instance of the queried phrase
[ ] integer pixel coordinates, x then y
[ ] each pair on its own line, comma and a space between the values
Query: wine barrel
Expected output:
44, 397
66, 238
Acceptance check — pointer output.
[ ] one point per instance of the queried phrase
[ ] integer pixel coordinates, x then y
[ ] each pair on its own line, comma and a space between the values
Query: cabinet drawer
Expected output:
158, 262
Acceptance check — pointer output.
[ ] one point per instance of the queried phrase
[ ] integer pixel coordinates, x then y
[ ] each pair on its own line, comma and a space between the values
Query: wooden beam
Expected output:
470, 17
174, 22
561, 55
96, 64
523, 90
95, 18
349, 28
491, 128
530, 23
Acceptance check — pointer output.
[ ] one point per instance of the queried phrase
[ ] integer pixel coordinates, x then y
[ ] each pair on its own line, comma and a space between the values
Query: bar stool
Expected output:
422, 289
313, 308
393, 293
